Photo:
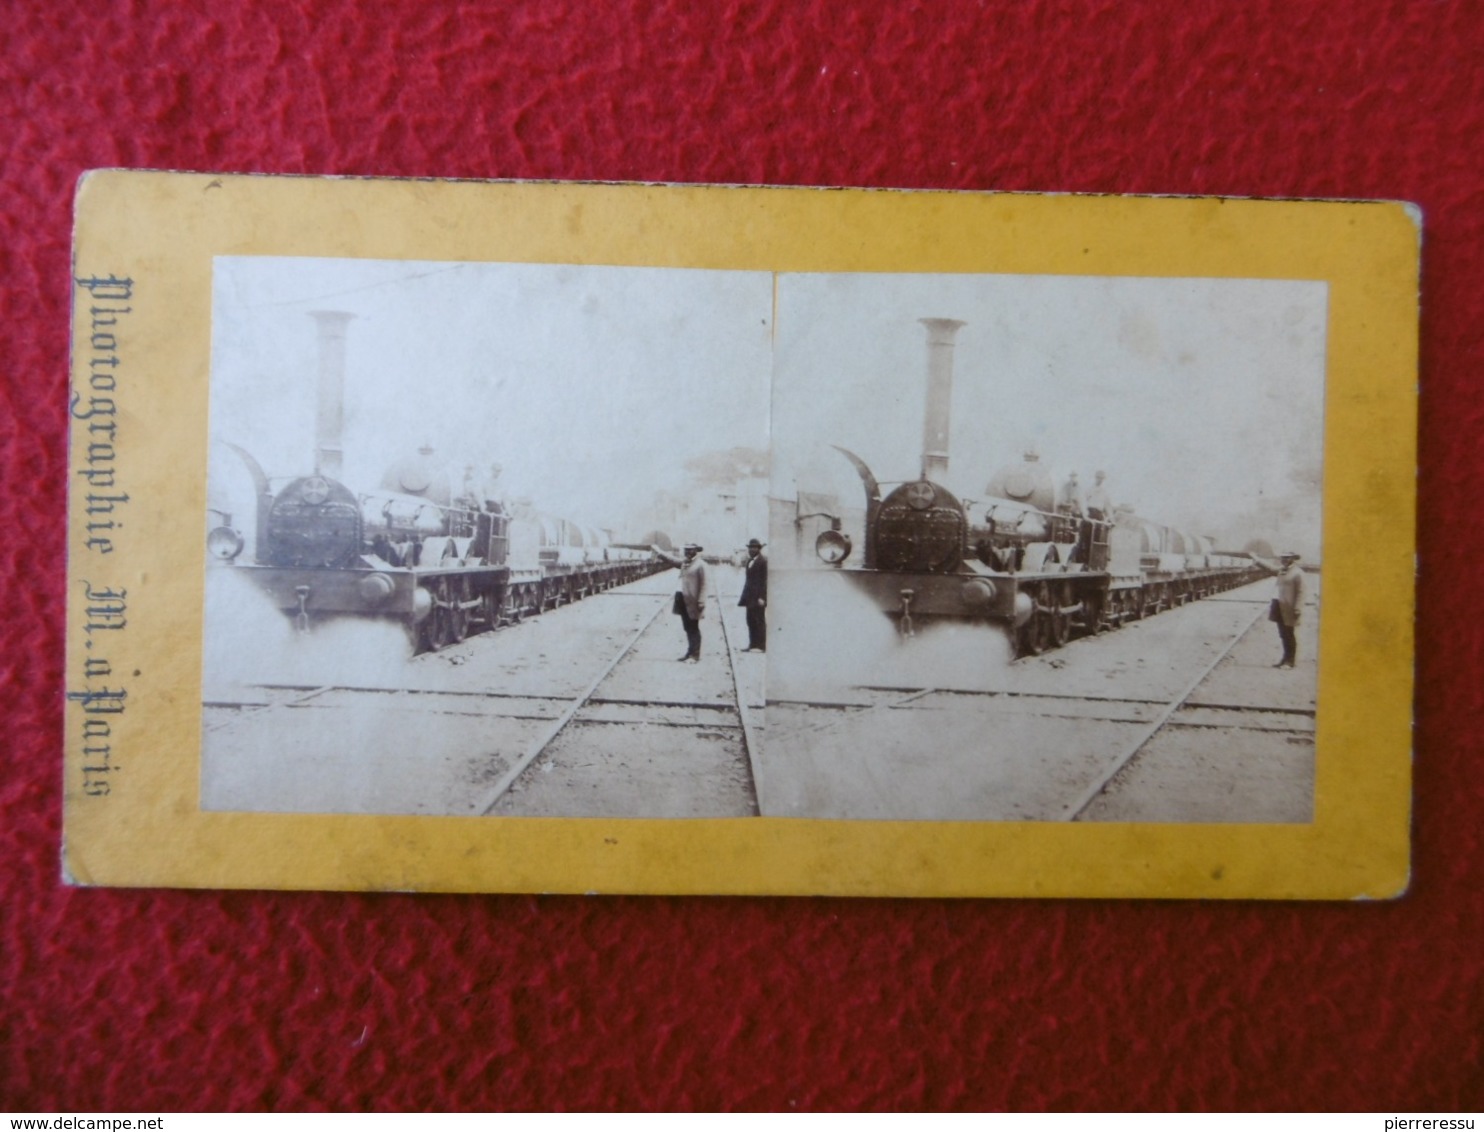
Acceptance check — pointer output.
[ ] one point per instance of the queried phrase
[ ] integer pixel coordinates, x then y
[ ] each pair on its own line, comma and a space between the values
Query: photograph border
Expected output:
133, 678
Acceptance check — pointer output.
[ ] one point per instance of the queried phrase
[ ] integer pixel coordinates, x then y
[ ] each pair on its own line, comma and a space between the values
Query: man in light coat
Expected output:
1290, 598
690, 598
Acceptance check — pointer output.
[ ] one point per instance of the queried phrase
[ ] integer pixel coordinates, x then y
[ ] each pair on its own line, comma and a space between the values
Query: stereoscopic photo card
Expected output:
538, 537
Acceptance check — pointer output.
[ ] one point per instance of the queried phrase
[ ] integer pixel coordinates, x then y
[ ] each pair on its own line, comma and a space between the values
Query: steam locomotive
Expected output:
1027, 557
437, 552
441, 559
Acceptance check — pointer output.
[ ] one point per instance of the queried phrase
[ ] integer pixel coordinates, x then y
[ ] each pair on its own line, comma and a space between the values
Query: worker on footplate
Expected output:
1099, 505
690, 598
1098, 508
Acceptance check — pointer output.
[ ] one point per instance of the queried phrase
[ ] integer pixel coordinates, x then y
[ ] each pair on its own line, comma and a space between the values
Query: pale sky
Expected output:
1202, 399
589, 385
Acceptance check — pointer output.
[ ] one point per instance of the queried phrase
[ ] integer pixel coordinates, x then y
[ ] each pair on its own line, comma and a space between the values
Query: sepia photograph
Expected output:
494, 539
477, 536
1045, 548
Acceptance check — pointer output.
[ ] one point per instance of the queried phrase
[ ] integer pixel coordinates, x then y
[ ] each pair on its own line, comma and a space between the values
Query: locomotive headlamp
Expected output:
833, 547
315, 490
224, 543
920, 495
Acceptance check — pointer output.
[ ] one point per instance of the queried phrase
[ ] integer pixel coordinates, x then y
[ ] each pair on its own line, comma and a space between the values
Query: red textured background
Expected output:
164, 1000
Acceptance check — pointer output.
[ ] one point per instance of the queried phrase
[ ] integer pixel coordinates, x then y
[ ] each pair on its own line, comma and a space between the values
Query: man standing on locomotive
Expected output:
1099, 506
1286, 606
690, 598
755, 597
1094, 532
1071, 497
1067, 525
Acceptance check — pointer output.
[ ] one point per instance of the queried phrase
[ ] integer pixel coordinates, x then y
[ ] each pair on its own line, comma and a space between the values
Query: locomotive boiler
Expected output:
1027, 557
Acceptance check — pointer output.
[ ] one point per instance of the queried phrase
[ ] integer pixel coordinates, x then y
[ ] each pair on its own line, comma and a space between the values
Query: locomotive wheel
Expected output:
1058, 624
440, 621
433, 629
1035, 636
1092, 613
414, 634
458, 616
1033, 632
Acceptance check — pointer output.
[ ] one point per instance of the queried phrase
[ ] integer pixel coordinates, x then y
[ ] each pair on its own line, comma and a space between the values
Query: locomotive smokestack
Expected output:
940, 334
329, 418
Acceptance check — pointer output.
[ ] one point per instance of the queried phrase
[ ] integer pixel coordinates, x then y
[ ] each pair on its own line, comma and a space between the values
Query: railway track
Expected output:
1161, 722
581, 713
589, 698
622, 734
1078, 806
584, 712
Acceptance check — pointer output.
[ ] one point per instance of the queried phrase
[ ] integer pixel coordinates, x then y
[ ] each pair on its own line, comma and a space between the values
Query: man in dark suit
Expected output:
755, 597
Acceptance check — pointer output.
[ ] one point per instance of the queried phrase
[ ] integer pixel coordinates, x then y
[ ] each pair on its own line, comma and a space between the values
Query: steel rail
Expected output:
749, 737
310, 692
455, 693
1074, 809
853, 712
533, 752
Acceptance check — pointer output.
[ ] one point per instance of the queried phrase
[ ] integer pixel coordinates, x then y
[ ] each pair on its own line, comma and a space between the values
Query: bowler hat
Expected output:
754, 542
